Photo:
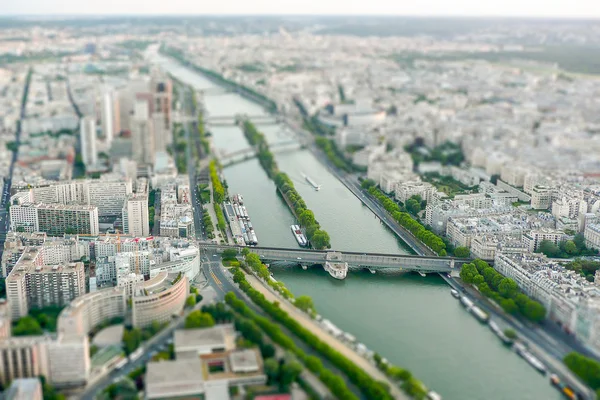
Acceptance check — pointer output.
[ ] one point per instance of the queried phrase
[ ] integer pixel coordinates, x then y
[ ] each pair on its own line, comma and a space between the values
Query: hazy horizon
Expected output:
556, 9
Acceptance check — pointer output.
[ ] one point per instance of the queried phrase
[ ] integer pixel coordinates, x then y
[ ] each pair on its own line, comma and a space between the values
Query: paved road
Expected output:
4, 215
191, 167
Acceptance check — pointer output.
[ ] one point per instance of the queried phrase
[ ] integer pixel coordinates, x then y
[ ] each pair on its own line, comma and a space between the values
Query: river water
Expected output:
410, 320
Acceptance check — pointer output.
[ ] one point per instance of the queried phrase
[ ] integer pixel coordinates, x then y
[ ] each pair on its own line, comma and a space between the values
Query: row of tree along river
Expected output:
412, 321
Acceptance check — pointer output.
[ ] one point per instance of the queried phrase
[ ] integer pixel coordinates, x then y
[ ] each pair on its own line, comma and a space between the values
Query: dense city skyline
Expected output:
472, 8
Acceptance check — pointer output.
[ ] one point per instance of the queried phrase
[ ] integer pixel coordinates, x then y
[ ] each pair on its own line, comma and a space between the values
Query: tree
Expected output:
508, 288
131, 339
305, 303
462, 252
271, 367
413, 206
313, 363
199, 319
190, 301
509, 306
27, 326
320, 239
570, 247
229, 254
288, 372
306, 218
548, 248
534, 311
510, 333
579, 241
368, 183
468, 272
586, 368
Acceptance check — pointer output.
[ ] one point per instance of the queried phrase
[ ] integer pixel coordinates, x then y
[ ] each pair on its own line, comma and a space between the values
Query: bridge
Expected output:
227, 120
337, 262
235, 157
215, 91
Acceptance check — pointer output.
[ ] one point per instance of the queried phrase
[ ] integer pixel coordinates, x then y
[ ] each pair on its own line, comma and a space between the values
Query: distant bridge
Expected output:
227, 120
234, 157
214, 91
372, 261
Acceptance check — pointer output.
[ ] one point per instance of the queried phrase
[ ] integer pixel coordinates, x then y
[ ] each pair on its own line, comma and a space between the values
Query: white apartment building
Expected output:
109, 112
142, 133
592, 235
87, 132
108, 195
405, 191
24, 218
541, 197
568, 207
31, 284
532, 239
135, 216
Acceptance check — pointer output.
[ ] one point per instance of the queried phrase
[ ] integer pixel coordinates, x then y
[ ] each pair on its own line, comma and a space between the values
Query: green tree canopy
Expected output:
27, 326
548, 248
199, 319
305, 303
462, 252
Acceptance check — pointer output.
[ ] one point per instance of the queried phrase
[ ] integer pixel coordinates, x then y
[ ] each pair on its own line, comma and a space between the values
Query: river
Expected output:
410, 320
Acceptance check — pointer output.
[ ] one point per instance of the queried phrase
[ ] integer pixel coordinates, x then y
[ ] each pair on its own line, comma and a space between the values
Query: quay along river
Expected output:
412, 321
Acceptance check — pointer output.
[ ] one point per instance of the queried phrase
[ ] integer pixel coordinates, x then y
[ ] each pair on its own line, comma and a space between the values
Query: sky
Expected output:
507, 8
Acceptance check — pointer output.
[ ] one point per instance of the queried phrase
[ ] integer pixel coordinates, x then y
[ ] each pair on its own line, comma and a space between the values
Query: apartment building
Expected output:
135, 215
532, 239
87, 137
406, 190
541, 197
58, 219
54, 219
31, 284
592, 235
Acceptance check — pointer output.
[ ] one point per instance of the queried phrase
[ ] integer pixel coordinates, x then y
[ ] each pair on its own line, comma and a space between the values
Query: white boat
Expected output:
530, 358
312, 183
454, 293
481, 315
300, 238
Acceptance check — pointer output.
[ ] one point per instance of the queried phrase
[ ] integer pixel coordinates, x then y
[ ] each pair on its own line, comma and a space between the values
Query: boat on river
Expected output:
299, 236
312, 183
454, 293
530, 358
498, 332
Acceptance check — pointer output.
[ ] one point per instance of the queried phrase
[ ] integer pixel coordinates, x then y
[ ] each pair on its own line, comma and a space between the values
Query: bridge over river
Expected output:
228, 120
337, 262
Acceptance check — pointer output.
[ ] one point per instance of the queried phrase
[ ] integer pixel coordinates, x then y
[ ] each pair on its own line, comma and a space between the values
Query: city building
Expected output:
32, 284
24, 389
135, 215
159, 299
592, 235
142, 133
190, 343
23, 357
532, 239
87, 137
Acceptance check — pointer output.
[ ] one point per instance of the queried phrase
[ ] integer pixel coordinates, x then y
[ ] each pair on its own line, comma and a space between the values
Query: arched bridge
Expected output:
374, 261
